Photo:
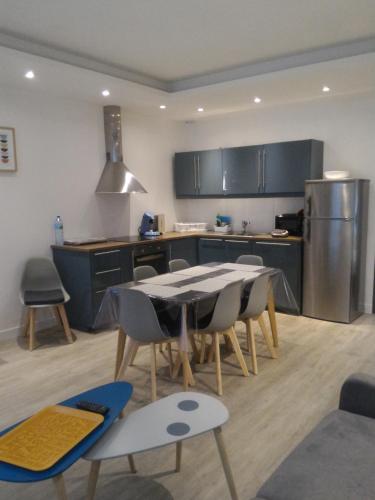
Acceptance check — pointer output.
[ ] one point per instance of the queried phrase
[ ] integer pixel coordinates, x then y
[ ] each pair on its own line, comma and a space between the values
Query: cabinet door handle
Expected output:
211, 239
259, 153
263, 171
109, 271
236, 241
106, 253
274, 244
224, 180
199, 173
195, 173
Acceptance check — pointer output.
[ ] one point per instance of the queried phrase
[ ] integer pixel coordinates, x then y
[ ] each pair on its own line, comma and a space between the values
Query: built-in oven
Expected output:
151, 254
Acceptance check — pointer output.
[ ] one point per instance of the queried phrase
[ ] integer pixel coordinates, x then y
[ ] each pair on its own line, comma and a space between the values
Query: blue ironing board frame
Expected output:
114, 395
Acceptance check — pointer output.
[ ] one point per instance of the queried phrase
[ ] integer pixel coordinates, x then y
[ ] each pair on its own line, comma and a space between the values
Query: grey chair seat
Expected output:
336, 461
43, 297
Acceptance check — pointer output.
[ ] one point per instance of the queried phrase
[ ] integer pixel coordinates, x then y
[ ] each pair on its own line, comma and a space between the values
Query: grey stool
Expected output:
144, 272
223, 318
254, 311
41, 286
170, 420
178, 265
252, 260
138, 318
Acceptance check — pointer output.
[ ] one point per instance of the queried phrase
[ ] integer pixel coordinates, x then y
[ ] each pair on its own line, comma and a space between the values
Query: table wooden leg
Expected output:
59, 483
225, 461
272, 315
121, 342
178, 455
93, 479
133, 470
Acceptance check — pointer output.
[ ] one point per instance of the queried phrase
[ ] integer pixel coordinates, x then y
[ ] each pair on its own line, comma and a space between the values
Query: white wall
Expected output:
60, 150
345, 124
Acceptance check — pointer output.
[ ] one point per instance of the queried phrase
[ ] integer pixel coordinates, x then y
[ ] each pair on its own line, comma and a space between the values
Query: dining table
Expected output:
188, 288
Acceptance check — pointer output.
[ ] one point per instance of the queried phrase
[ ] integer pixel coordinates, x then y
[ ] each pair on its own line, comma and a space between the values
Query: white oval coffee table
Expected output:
167, 421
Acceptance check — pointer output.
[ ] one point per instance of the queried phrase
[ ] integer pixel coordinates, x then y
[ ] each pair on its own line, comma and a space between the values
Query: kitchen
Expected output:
58, 118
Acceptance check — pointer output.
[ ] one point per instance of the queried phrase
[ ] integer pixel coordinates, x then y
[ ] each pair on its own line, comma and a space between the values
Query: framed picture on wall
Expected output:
8, 158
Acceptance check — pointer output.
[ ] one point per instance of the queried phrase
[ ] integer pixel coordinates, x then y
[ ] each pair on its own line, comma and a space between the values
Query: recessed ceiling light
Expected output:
106, 93
30, 75
257, 100
200, 110
326, 89
163, 106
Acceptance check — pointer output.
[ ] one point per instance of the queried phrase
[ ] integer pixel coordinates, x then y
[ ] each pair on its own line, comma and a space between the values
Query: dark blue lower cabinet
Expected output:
211, 250
287, 256
186, 248
86, 277
235, 248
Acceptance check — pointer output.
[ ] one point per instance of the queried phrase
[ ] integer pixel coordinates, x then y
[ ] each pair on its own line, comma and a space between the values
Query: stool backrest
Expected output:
258, 297
252, 260
226, 309
138, 318
144, 272
178, 265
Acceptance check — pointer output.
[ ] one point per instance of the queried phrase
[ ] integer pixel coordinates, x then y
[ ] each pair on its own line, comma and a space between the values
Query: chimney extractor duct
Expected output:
116, 177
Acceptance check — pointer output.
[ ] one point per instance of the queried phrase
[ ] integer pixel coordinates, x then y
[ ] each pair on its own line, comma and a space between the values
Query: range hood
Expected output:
116, 177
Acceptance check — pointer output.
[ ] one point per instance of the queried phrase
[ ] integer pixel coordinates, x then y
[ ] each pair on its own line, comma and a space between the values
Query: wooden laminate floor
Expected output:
269, 414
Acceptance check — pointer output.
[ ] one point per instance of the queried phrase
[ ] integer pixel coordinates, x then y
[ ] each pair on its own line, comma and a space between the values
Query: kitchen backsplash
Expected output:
260, 211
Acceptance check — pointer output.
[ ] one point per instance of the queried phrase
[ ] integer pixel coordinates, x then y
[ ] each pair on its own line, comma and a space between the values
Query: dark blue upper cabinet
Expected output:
198, 173
286, 166
185, 174
242, 170
209, 172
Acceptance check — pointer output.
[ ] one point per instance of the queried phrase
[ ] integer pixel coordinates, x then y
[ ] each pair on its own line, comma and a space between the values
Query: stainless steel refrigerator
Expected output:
335, 234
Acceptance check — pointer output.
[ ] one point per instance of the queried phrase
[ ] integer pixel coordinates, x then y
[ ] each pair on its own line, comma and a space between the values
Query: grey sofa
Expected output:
336, 461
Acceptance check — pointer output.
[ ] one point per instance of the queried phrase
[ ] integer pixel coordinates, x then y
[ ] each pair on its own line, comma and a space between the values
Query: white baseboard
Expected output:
15, 331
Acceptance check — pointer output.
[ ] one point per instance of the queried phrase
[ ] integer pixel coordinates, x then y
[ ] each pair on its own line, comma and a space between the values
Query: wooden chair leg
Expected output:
131, 345
161, 348
266, 336
177, 366
27, 322
65, 322
203, 348
170, 359
131, 362
93, 479
57, 315
184, 370
186, 364
211, 352
59, 483
178, 455
196, 353
219, 382
251, 346
133, 470
225, 461
237, 350
153, 371
121, 342
272, 315
32, 329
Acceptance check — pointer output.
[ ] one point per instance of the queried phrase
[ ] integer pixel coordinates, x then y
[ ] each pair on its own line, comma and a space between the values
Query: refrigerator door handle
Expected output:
307, 230
308, 205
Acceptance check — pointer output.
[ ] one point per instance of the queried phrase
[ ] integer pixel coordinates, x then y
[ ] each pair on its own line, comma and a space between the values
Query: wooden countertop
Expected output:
107, 245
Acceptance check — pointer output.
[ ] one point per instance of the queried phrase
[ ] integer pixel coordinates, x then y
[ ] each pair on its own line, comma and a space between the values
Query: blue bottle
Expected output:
59, 231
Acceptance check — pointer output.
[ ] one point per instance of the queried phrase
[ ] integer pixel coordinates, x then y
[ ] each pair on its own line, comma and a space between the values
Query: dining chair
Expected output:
222, 322
257, 260
138, 318
42, 287
144, 272
178, 265
252, 260
253, 310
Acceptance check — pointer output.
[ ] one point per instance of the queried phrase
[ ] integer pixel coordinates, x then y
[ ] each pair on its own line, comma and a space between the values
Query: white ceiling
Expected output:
174, 39
352, 75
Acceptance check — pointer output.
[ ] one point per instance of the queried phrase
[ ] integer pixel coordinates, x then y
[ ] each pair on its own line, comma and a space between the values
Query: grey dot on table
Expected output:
178, 429
188, 405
